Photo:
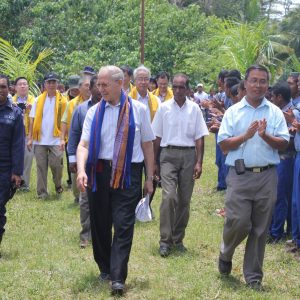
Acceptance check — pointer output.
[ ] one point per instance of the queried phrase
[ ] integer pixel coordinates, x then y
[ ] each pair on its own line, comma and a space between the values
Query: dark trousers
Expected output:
282, 210
222, 168
2, 219
296, 202
4, 194
69, 180
114, 207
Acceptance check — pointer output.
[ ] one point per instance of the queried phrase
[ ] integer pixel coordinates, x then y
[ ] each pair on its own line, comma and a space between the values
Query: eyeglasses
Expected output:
141, 79
255, 82
180, 87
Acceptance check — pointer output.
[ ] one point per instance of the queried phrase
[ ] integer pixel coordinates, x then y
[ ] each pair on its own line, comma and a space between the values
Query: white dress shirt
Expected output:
47, 127
143, 130
179, 126
145, 101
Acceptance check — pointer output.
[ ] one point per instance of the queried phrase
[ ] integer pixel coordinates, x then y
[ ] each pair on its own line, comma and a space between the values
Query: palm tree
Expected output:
239, 45
15, 63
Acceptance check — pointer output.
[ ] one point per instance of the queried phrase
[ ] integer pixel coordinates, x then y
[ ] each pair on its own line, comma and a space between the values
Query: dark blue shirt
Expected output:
76, 128
12, 139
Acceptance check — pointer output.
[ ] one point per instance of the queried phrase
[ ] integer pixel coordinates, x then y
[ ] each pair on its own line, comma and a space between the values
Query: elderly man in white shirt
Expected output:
180, 129
116, 140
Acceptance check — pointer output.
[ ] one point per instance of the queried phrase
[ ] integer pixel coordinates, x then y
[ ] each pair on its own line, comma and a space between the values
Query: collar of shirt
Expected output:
50, 98
107, 104
140, 98
22, 99
287, 106
176, 104
89, 102
296, 100
244, 103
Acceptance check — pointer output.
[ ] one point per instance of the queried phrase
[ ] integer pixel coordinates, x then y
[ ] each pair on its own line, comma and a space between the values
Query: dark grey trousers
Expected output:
85, 233
250, 199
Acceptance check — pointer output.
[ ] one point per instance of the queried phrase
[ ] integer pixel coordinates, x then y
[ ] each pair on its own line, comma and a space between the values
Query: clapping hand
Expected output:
261, 130
251, 130
289, 116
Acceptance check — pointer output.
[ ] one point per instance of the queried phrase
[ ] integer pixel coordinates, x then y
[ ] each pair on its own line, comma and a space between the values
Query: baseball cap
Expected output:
73, 82
88, 70
51, 76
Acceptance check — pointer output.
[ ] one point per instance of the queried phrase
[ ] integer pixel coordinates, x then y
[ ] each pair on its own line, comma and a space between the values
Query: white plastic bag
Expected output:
143, 211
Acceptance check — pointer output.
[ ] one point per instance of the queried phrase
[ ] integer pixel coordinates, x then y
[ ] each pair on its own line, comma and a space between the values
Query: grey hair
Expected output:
115, 72
141, 68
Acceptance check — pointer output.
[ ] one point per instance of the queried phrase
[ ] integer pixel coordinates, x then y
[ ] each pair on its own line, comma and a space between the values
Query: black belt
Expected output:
106, 162
259, 169
179, 147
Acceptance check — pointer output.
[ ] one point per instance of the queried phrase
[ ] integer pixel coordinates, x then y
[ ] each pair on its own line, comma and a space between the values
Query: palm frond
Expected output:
15, 63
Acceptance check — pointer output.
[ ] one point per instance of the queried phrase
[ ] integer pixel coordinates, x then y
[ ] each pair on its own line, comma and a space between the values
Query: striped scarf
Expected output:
123, 146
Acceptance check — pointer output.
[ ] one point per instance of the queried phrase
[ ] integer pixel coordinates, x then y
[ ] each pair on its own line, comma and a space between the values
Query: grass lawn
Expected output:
41, 258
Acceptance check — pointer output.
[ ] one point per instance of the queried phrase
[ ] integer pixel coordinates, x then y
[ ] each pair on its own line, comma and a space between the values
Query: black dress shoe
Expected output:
164, 251
117, 288
224, 267
255, 285
180, 248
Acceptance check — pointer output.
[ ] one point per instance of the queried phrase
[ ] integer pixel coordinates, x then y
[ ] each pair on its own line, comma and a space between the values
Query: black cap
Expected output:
51, 76
89, 70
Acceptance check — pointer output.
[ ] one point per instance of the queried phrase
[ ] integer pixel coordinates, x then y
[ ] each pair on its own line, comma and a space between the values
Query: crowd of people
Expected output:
122, 125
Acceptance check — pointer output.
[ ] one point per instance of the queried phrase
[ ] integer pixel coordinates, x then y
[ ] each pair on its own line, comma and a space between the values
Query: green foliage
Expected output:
291, 27
192, 36
15, 63
239, 45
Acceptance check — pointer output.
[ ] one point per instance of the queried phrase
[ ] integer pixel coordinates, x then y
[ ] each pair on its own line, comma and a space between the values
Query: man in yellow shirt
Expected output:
163, 92
73, 87
140, 91
44, 133
24, 101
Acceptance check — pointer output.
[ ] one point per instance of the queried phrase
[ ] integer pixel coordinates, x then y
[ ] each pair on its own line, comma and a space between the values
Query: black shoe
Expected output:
117, 288
220, 189
180, 248
164, 251
224, 267
255, 285
104, 277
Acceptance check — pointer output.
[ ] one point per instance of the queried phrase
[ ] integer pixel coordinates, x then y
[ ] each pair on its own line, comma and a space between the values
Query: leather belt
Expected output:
106, 162
180, 147
259, 169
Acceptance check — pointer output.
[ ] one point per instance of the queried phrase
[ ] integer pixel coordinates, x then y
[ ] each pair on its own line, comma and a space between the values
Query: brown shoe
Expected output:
59, 190
84, 243
290, 243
